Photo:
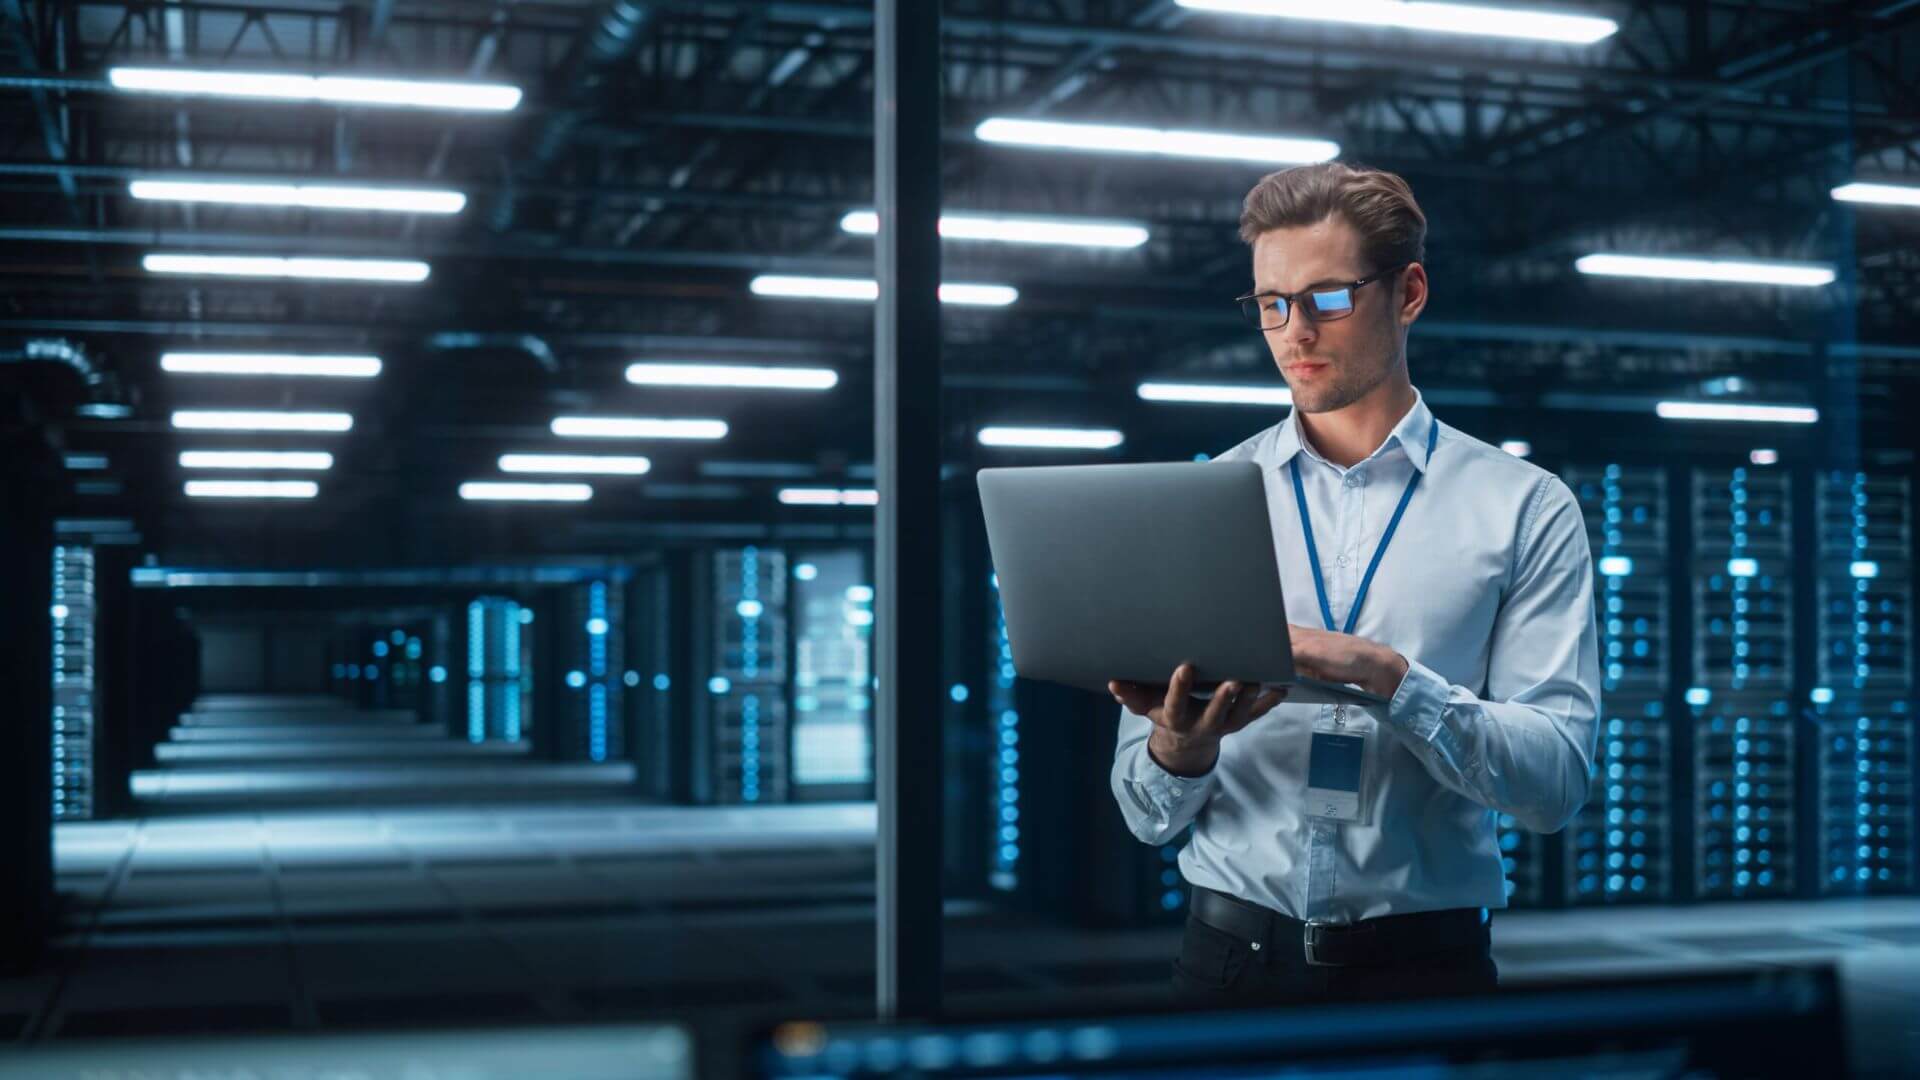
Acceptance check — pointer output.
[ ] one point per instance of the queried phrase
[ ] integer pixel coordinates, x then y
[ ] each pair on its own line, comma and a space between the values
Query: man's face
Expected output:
1328, 365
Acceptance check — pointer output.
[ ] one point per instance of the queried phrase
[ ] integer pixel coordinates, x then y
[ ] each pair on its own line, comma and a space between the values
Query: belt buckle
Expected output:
1309, 940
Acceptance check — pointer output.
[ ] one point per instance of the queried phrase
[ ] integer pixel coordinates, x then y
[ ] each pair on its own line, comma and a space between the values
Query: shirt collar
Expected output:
1410, 434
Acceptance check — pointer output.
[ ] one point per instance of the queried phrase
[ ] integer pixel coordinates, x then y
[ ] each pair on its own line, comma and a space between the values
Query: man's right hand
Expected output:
1186, 732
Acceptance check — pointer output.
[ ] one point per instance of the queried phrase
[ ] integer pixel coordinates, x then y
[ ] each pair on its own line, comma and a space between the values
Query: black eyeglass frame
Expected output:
1293, 299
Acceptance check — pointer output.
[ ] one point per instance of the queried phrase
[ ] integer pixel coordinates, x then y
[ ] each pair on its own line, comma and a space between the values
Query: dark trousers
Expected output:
1219, 969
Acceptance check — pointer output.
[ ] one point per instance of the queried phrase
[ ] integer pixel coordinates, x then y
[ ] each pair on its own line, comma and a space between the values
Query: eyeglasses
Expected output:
1270, 310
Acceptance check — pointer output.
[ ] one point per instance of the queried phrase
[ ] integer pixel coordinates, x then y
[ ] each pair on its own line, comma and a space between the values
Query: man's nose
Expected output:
1299, 330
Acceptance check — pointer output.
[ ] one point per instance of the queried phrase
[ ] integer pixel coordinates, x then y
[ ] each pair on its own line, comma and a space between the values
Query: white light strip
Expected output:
1215, 393
1805, 275
250, 420
636, 427
1052, 437
1519, 448
1109, 138
1497, 22
307, 196
331, 89
252, 489
1881, 194
829, 497
978, 295
743, 376
1714, 410
339, 367
1017, 230
576, 464
499, 491
833, 288
256, 459
407, 271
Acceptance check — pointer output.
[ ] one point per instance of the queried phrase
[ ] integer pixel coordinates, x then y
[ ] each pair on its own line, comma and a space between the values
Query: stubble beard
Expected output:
1346, 387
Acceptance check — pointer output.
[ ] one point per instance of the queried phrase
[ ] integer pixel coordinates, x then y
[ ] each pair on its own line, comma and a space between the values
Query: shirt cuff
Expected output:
1166, 790
1416, 707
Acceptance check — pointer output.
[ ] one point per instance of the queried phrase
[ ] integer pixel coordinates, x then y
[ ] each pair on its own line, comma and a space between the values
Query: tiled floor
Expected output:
560, 913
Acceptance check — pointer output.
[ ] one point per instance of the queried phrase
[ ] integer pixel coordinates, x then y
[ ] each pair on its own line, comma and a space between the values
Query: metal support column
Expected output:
907, 594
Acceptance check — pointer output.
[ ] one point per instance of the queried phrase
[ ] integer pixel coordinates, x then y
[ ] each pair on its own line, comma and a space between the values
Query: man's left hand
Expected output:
1344, 658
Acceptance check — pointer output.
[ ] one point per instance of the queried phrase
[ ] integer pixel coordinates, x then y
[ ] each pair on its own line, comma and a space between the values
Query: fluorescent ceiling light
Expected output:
1017, 230
255, 420
339, 367
1052, 437
1764, 456
1110, 138
1422, 15
1215, 393
85, 462
1882, 194
1718, 410
732, 375
829, 497
307, 196
835, 288
256, 459
104, 410
1519, 448
575, 464
1727, 270
978, 295
636, 427
307, 269
330, 89
252, 489
497, 491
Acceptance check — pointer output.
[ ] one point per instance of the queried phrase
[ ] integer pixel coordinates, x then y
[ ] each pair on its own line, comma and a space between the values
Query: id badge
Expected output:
1337, 769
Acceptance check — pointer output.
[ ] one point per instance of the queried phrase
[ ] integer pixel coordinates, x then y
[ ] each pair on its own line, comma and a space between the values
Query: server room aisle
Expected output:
234, 750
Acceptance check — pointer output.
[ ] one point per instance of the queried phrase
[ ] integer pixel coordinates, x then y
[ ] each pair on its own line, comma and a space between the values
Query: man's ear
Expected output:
1403, 289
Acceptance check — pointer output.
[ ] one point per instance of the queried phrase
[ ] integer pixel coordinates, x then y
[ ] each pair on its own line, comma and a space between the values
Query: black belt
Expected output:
1389, 939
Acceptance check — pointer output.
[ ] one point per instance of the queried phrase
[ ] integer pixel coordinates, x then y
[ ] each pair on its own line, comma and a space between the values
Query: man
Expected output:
1453, 580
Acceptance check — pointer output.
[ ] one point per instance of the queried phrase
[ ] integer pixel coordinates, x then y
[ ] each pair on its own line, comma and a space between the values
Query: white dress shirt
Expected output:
1487, 590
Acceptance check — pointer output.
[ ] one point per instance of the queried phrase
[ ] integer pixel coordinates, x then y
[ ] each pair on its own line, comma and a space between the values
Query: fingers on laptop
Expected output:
1252, 705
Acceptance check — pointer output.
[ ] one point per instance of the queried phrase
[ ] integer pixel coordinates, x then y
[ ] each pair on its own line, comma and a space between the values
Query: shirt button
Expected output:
1341, 561
1354, 480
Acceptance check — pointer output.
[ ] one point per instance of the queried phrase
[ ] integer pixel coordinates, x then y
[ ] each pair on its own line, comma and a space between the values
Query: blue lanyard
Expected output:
1313, 553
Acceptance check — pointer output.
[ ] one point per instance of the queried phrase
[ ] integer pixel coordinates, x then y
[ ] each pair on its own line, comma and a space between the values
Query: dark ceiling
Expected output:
667, 152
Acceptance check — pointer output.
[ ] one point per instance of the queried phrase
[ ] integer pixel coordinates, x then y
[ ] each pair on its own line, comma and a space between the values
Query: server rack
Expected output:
1860, 708
499, 685
593, 656
73, 683
832, 616
1743, 644
1620, 847
744, 746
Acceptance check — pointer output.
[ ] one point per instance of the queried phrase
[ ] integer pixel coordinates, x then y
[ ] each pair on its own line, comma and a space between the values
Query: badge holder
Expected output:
1337, 789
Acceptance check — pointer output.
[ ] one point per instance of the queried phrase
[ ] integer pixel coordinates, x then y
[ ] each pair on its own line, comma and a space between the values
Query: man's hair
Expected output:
1378, 204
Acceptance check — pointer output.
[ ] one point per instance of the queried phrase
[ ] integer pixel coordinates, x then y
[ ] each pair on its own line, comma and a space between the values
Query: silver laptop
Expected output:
1127, 571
